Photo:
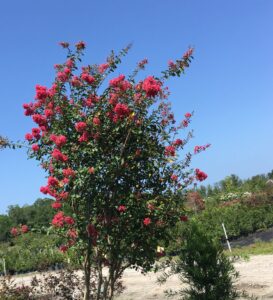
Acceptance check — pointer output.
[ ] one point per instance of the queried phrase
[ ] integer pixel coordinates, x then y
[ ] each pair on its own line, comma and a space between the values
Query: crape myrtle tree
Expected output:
111, 153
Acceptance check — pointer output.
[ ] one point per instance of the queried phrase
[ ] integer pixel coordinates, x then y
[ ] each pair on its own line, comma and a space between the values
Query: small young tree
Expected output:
203, 265
111, 152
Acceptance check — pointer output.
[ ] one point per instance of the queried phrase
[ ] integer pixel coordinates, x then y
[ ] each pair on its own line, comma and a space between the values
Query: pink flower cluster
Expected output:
142, 63
169, 151
68, 172
103, 67
151, 86
198, 149
80, 126
122, 208
60, 220
59, 140
39, 119
120, 111
174, 177
64, 75
52, 181
178, 142
188, 53
16, 231
200, 175
87, 78
120, 83
147, 221
59, 156
41, 92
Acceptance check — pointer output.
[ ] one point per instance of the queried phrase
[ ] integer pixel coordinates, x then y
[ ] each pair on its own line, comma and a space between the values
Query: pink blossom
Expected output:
120, 83
24, 229
200, 175
52, 181
35, 147
91, 170
39, 119
59, 156
75, 81
28, 137
44, 189
48, 113
121, 208
151, 86
198, 149
80, 45
56, 205
36, 132
178, 142
169, 151
80, 126
96, 121
63, 248
147, 221
64, 44
84, 137
58, 219
121, 110
41, 92
14, 231
70, 63
68, 172
87, 78
103, 67
69, 220
174, 177
29, 109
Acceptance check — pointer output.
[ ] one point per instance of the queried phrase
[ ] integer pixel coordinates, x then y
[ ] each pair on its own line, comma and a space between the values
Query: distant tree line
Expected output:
37, 216
233, 183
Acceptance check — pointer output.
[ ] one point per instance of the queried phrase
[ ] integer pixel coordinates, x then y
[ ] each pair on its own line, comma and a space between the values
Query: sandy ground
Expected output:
256, 277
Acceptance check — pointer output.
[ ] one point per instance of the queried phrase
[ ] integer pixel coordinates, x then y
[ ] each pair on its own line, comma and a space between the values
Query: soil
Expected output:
256, 278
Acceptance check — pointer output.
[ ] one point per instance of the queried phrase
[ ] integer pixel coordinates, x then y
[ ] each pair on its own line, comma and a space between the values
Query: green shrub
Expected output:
31, 252
239, 219
203, 265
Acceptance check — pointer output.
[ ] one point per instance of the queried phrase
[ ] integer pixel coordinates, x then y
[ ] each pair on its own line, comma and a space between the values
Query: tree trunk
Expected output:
87, 272
100, 282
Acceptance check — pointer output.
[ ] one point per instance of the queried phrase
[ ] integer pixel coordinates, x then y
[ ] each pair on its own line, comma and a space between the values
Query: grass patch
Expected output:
258, 248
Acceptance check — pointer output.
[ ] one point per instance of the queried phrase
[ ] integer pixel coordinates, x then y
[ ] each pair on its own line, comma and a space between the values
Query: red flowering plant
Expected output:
112, 157
14, 231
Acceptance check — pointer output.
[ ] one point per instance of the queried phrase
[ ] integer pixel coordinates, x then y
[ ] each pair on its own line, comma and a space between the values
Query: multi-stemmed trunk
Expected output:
105, 285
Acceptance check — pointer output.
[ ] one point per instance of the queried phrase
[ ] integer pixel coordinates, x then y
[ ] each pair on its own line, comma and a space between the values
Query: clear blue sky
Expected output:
229, 85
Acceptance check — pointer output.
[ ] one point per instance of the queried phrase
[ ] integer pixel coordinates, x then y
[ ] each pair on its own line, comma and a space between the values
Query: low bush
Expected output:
31, 252
202, 264
239, 219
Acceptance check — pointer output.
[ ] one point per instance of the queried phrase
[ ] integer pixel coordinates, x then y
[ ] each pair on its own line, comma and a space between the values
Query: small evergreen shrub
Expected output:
202, 264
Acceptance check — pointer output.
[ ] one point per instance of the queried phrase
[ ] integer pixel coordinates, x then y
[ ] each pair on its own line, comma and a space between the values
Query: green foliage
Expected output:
239, 219
5, 226
258, 248
203, 265
36, 215
31, 252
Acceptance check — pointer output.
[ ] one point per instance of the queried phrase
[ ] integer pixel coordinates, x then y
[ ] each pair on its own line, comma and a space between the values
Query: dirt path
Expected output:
256, 277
